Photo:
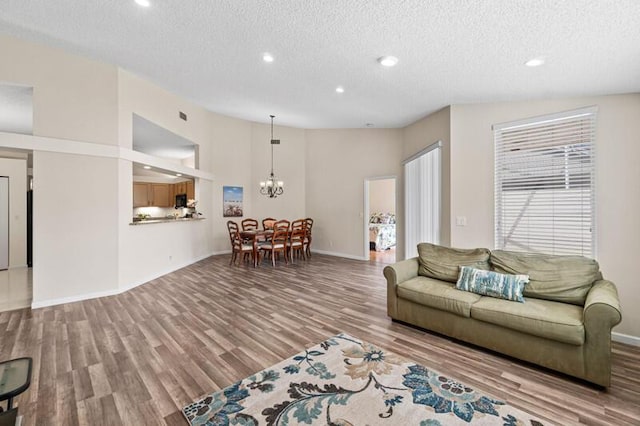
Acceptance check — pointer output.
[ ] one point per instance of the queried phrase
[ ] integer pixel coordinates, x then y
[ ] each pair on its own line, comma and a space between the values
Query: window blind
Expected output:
422, 199
545, 184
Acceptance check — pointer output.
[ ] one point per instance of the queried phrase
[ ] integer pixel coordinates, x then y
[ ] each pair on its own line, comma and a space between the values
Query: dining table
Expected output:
256, 235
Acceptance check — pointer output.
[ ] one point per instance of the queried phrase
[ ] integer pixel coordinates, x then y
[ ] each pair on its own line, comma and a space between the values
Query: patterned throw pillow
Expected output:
493, 284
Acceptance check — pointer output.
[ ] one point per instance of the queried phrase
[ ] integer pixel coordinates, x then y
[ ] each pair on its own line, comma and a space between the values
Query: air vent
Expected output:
183, 116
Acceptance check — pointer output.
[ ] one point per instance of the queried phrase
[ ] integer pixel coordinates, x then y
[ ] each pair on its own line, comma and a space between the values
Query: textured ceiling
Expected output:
450, 51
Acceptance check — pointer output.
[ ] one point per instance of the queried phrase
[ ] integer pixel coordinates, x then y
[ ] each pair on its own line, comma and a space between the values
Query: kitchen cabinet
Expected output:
191, 193
152, 194
140, 194
186, 187
160, 195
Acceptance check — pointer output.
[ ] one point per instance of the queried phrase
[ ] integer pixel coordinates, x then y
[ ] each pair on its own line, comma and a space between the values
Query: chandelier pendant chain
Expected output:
272, 187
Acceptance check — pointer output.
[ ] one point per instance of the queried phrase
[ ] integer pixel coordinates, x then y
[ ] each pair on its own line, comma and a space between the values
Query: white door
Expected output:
4, 223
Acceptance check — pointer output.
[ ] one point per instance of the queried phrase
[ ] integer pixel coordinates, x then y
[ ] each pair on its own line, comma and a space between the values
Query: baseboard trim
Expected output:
72, 299
112, 292
335, 254
625, 338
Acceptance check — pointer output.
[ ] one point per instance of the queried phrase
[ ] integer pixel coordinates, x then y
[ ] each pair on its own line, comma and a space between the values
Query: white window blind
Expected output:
544, 184
422, 199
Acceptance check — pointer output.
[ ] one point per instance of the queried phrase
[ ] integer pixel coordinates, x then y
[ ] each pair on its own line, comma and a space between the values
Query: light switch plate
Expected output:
461, 220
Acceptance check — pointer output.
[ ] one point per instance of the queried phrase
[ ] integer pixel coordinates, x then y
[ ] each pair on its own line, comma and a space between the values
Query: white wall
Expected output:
75, 214
617, 178
16, 170
231, 161
289, 166
148, 251
73, 97
382, 196
338, 162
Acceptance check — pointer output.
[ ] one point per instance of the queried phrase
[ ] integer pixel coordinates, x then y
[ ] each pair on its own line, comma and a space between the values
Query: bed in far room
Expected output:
382, 231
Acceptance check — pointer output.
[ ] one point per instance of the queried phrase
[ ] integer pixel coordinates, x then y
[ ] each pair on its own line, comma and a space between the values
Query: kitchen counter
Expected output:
164, 220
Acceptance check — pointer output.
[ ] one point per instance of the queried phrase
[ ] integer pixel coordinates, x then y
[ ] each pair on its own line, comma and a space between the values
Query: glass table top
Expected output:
15, 377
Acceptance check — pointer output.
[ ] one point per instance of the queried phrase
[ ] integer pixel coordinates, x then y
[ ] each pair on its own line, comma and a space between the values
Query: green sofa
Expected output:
564, 324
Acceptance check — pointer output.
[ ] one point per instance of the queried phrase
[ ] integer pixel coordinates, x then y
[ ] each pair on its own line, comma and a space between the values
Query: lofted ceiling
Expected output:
450, 51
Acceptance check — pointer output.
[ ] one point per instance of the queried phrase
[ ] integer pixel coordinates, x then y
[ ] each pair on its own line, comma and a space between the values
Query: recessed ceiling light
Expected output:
143, 3
535, 62
267, 57
178, 174
388, 61
147, 167
340, 89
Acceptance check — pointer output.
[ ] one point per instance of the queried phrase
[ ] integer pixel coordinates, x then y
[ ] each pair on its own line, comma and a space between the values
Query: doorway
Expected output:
380, 219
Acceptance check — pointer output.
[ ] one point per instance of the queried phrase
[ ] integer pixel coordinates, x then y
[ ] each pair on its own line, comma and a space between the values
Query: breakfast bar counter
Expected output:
165, 220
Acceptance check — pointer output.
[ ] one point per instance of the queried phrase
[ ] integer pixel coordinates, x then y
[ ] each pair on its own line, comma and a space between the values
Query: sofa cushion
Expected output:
443, 263
544, 318
492, 284
561, 278
437, 294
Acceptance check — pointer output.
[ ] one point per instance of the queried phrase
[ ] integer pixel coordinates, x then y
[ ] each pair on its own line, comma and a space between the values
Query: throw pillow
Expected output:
493, 284
443, 263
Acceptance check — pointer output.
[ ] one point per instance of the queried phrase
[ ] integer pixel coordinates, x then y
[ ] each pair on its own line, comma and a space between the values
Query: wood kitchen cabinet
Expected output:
191, 193
152, 194
185, 188
140, 194
160, 195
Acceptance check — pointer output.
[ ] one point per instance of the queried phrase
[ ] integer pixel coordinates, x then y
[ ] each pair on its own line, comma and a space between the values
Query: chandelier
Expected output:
272, 187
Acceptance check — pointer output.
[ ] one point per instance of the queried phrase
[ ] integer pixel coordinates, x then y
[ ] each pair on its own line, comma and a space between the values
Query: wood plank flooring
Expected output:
138, 357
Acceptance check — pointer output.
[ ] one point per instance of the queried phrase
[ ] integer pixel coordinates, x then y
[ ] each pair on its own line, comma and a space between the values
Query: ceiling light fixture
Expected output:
267, 57
178, 174
147, 167
535, 62
143, 3
388, 61
340, 89
272, 187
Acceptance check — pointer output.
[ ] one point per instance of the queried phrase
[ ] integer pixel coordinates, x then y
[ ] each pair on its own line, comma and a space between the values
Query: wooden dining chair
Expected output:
295, 242
249, 224
276, 244
282, 224
238, 246
308, 237
299, 224
267, 223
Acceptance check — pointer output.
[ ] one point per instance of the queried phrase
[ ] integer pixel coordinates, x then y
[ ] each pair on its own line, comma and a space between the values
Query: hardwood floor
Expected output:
138, 357
385, 256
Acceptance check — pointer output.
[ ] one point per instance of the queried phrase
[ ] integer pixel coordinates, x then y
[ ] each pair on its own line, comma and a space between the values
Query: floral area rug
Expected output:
342, 382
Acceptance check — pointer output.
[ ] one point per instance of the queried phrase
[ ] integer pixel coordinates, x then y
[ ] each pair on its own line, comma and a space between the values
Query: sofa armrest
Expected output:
602, 307
601, 313
395, 274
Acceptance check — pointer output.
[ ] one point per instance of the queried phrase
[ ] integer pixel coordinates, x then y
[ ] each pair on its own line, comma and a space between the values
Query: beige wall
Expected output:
382, 196
147, 251
338, 162
75, 216
231, 162
73, 97
418, 136
289, 166
617, 177
16, 170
